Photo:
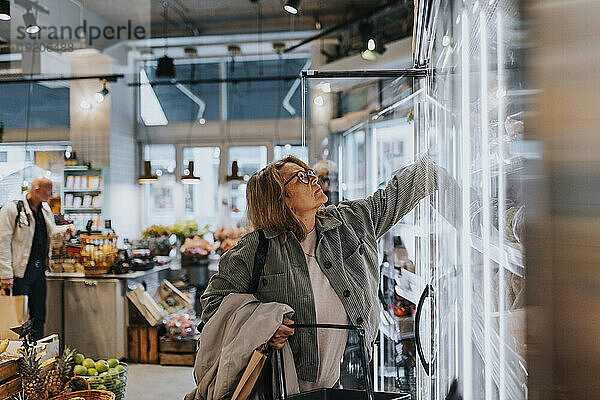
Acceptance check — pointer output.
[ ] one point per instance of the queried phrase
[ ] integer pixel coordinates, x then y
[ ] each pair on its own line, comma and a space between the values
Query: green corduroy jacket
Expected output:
346, 252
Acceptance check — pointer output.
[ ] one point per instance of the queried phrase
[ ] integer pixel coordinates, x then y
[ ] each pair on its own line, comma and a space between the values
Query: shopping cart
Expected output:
334, 394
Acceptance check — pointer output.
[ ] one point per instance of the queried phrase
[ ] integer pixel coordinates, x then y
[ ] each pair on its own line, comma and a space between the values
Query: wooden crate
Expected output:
143, 344
10, 380
177, 352
10, 387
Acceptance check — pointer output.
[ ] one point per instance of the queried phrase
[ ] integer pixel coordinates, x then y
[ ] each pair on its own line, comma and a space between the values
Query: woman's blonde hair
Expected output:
265, 195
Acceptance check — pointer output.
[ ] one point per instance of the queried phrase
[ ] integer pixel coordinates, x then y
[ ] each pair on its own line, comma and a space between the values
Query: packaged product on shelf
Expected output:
87, 201
97, 201
77, 201
69, 200
77, 182
70, 182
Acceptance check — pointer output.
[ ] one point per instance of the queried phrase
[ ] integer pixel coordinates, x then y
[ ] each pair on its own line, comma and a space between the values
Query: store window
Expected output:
187, 101
160, 196
201, 199
269, 99
49, 105
249, 160
297, 150
25, 162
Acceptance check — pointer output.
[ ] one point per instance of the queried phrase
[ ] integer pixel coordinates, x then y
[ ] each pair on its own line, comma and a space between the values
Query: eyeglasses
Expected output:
304, 176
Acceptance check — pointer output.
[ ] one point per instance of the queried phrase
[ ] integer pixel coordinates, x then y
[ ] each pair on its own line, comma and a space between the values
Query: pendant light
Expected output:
147, 176
292, 6
31, 25
165, 67
4, 10
188, 175
234, 173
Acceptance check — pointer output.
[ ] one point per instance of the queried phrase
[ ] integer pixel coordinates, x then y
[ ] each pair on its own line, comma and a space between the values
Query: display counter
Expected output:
91, 313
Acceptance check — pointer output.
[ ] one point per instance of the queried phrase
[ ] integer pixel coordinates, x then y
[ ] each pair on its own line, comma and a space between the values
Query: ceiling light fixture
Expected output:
4, 10
235, 173
165, 67
370, 42
31, 25
147, 176
292, 6
101, 95
188, 175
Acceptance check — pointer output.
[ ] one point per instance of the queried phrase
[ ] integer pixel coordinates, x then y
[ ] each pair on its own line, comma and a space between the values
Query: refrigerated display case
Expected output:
457, 259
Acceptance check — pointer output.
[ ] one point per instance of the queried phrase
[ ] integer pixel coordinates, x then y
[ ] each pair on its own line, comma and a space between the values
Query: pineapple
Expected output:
33, 383
19, 396
60, 374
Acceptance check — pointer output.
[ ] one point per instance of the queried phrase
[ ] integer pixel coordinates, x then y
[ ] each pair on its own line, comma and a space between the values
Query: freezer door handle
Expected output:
427, 292
90, 283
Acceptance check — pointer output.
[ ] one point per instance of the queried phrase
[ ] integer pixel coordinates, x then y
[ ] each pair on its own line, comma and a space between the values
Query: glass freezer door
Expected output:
473, 123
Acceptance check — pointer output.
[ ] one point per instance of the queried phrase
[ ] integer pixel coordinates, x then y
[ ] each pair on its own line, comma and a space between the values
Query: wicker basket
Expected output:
98, 253
115, 383
87, 394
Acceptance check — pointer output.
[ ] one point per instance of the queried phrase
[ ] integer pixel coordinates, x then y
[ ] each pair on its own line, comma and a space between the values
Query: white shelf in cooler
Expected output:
511, 258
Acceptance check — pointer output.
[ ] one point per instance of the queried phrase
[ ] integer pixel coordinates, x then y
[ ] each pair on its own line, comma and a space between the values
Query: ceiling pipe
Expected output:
345, 24
108, 78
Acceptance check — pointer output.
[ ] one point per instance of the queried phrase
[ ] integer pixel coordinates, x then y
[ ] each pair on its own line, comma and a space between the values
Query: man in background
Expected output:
26, 228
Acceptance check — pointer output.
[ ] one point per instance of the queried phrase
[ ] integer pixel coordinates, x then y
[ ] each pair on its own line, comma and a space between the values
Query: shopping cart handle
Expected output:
363, 353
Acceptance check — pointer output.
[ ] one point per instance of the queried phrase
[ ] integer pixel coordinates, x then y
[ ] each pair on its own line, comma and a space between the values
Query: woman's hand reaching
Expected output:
283, 333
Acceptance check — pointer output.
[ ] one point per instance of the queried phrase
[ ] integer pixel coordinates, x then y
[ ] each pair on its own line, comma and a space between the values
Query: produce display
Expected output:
181, 326
35, 385
228, 236
198, 245
98, 252
158, 246
171, 305
155, 231
4, 345
108, 375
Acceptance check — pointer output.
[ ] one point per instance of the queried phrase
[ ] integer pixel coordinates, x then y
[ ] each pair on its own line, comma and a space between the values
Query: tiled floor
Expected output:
157, 382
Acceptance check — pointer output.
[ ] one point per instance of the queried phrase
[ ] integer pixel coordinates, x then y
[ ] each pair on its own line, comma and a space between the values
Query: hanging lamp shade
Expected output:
147, 176
4, 10
234, 173
188, 175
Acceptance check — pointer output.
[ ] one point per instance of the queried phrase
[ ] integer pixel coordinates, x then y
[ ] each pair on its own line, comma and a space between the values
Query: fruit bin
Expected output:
115, 382
98, 253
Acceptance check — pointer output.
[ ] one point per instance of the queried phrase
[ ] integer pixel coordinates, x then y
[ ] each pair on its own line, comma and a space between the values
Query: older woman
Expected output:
321, 261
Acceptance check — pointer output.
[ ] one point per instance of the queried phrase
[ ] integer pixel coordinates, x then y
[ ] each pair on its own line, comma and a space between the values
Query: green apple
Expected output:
89, 363
113, 362
92, 372
101, 366
79, 358
120, 368
80, 370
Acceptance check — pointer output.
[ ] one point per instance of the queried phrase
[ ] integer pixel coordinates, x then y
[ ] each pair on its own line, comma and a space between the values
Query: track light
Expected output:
101, 95
370, 43
31, 25
4, 10
147, 176
165, 68
188, 175
292, 6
